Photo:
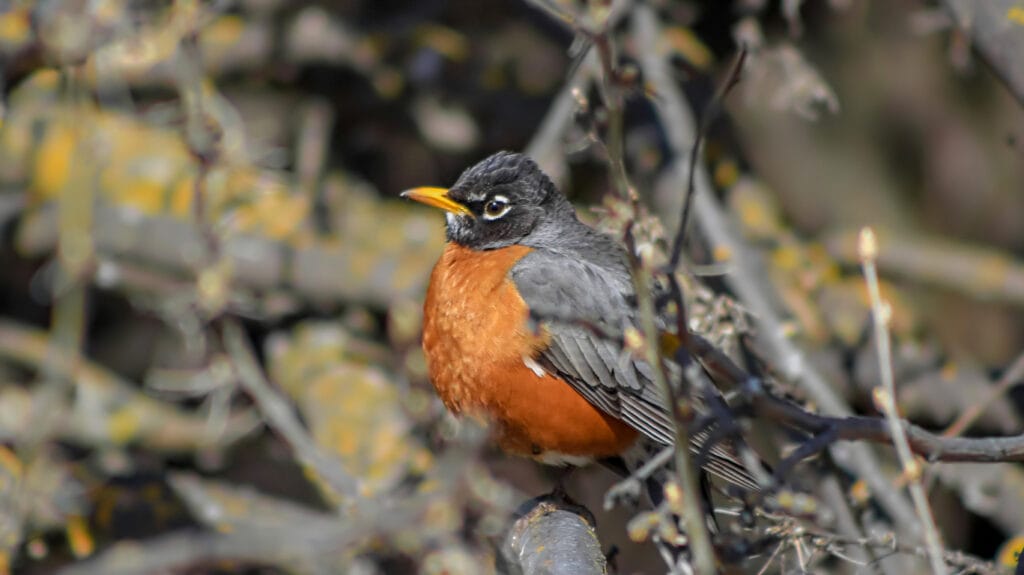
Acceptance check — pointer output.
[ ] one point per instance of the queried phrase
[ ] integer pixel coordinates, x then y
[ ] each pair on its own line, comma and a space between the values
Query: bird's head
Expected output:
504, 200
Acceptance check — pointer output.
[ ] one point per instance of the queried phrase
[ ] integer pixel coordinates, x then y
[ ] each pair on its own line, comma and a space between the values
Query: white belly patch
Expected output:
563, 459
534, 366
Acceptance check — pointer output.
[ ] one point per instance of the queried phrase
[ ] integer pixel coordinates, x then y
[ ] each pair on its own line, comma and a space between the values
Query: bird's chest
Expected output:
475, 329
480, 352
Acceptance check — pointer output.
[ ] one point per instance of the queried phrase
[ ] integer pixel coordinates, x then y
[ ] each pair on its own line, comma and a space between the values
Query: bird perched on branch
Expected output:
560, 394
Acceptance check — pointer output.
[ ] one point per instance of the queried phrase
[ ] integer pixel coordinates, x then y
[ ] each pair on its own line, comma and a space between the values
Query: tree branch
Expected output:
554, 537
749, 285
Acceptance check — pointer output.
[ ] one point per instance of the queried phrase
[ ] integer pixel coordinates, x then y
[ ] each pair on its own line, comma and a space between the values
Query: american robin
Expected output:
560, 394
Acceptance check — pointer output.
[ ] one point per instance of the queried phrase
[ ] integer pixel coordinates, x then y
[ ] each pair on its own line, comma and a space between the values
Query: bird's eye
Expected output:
496, 207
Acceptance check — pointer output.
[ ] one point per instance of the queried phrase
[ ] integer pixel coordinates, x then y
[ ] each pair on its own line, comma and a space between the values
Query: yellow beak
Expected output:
438, 198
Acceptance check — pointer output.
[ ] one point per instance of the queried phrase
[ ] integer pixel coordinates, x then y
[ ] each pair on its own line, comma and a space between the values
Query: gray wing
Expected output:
561, 291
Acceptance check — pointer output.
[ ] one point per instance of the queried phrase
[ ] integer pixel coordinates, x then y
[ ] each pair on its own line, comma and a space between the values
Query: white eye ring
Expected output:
500, 207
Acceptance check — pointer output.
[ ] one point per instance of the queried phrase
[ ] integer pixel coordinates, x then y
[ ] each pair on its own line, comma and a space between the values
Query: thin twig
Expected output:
613, 100
846, 523
614, 104
595, 30
568, 20
743, 279
681, 410
886, 396
706, 118
771, 559
1011, 377
805, 450
630, 486
199, 136
545, 145
719, 414
76, 254
828, 542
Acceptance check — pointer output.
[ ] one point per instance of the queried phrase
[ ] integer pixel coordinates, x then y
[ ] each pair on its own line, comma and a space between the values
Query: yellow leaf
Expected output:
79, 538
1010, 551
53, 162
123, 425
684, 42
14, 27
1016, 15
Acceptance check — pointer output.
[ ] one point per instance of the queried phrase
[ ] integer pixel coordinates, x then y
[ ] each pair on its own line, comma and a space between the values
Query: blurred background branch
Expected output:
994, 27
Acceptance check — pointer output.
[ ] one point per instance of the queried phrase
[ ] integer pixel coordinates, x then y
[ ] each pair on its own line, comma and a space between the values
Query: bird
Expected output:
504, 324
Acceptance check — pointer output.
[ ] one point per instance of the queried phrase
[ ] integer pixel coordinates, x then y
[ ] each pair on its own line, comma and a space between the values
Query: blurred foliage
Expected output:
168, 167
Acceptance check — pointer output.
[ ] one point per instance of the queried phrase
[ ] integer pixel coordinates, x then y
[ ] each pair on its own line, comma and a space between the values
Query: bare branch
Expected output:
706, 118
159, 426
979, 272
554, 537
749, 286
931, 446
881, 313
1013, 375
996, 29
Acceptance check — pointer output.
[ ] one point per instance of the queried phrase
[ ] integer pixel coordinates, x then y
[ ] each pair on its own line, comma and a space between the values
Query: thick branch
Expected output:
319, 271
553, 537
931, 446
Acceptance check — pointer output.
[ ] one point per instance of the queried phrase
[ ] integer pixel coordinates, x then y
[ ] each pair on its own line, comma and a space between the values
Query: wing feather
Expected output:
563, 290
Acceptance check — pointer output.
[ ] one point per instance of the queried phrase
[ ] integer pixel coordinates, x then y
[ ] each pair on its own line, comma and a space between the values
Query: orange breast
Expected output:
476, 339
